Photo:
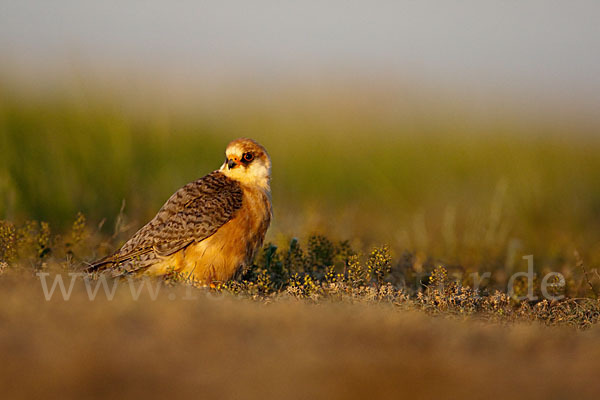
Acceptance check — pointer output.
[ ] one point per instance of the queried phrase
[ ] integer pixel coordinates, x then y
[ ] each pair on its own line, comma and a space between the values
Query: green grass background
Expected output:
454, 185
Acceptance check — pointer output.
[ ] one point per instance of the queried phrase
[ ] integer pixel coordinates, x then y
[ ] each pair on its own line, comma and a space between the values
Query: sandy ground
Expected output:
218, 346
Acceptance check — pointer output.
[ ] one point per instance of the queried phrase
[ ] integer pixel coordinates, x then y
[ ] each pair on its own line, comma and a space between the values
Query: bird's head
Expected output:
247, 162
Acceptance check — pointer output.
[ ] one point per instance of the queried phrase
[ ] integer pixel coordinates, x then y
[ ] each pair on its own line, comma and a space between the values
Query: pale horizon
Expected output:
535, 51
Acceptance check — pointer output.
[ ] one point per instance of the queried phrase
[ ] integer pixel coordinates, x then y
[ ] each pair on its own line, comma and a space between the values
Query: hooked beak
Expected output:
231, 163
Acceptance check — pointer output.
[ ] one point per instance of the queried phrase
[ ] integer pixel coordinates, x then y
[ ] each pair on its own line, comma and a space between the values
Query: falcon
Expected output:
208, 230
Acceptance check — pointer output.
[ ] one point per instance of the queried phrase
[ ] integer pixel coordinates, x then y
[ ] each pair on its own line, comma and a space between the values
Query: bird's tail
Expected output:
101, 264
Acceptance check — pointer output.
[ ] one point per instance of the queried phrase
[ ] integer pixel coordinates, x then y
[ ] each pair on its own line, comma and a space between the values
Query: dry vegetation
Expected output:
316, 321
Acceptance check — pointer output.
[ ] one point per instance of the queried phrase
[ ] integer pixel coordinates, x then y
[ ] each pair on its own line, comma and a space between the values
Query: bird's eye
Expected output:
247, 157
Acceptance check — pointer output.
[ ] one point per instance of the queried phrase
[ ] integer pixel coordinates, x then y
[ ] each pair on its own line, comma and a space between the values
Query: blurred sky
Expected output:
541, 48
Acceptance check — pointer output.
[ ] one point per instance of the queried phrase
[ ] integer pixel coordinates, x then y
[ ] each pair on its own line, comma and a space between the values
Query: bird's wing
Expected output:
191, 214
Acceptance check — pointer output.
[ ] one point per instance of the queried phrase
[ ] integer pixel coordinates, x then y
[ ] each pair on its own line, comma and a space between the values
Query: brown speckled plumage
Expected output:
209, 229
